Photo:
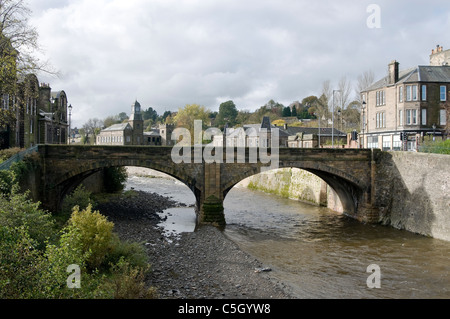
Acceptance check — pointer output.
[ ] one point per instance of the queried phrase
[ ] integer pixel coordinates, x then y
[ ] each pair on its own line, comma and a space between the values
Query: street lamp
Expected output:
332, 120
70, 122
434, 132
364, 121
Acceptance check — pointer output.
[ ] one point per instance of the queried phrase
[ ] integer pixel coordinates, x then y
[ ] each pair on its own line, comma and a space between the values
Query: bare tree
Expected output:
327, 93
344, 94
19, 39
364, 81
92, 128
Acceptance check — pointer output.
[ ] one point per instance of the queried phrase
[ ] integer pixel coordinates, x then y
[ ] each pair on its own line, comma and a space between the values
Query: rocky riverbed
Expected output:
195, 265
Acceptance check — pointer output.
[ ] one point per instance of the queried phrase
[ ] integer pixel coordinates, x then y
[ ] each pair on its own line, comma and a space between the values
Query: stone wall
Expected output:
295, 184
413, 192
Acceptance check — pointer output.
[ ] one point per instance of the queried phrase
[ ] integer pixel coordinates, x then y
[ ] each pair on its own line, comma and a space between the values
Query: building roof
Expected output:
153, 132
117, 127
440, 74
292, 131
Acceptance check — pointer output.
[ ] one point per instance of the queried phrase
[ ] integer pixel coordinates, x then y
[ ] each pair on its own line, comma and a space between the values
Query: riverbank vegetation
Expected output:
37, 249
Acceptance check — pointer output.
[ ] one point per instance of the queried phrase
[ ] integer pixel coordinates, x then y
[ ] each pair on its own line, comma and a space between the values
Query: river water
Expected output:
319, 253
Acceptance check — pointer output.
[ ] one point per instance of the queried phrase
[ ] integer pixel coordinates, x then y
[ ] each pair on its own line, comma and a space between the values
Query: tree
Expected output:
364, 81
16, 33
186, 116
227, 114
150, 114
18, 43
287, 111
345, 89
294, 111
92, 128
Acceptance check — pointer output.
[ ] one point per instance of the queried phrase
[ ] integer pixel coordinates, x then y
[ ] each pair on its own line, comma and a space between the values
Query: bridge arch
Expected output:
348, 188
67, 181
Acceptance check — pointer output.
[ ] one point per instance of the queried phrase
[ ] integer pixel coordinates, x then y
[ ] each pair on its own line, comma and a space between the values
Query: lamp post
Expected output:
332, 120
434, 132
363, 121
70, 121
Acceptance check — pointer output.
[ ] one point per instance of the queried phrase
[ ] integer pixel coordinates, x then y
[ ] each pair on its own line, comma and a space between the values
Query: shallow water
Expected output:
320, 254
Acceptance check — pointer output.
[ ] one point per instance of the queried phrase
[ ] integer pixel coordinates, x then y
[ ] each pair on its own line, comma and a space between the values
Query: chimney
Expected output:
285, 126
393, 72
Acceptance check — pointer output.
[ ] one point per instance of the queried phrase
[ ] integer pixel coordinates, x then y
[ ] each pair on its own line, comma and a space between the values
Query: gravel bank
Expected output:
202, 264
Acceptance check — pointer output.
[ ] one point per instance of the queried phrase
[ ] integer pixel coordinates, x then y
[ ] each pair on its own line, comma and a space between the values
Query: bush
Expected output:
128, 282
115, 179
79, 197
20, 263
18, 210
96, 236
8, 153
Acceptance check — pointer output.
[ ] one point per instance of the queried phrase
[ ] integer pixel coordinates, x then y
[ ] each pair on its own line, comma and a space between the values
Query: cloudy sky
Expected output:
169, 53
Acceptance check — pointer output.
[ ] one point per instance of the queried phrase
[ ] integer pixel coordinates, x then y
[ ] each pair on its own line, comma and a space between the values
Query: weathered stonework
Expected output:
413, 192
349, 172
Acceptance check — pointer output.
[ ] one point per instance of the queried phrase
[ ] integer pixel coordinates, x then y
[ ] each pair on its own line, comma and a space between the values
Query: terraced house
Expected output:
405, 106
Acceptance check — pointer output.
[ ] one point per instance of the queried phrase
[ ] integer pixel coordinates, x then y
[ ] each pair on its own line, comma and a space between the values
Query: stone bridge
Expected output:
350, 172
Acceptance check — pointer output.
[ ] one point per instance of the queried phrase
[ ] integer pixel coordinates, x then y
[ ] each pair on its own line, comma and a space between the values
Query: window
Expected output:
387, 143
411, 93
400, 118
381, 120
414, 117
396, 143
372, 141
442, 117
408, 93
424, 116
424, 92
400, 94
443, 93
408, 117
381, 98
128, 139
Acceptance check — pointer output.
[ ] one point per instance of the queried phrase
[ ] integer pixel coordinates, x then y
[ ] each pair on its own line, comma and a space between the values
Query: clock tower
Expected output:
137, 123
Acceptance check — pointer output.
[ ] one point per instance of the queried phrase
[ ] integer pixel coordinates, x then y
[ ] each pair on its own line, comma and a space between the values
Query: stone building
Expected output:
132, 132
39, 115
402, 108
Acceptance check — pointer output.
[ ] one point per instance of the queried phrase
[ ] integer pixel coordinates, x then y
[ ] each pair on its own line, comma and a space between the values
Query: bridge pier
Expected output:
210, 209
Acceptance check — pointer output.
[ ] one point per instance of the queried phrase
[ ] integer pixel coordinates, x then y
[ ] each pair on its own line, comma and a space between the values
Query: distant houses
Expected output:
260, 135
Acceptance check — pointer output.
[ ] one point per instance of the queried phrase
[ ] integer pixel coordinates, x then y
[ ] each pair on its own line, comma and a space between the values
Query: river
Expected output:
319, 253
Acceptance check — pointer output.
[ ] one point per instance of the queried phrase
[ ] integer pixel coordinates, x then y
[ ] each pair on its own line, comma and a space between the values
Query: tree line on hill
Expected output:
307, 112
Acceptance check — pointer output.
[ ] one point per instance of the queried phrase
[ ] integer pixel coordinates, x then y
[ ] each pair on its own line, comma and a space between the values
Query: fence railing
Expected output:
17, 158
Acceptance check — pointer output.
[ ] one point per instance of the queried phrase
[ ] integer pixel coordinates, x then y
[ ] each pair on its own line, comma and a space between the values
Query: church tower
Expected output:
137, 123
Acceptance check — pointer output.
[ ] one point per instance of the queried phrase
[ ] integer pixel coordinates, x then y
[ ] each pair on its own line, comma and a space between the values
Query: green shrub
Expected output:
115, 179
128, 282
20, 263
8, 153
7, 181
96, 236
79, 197
18, 210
